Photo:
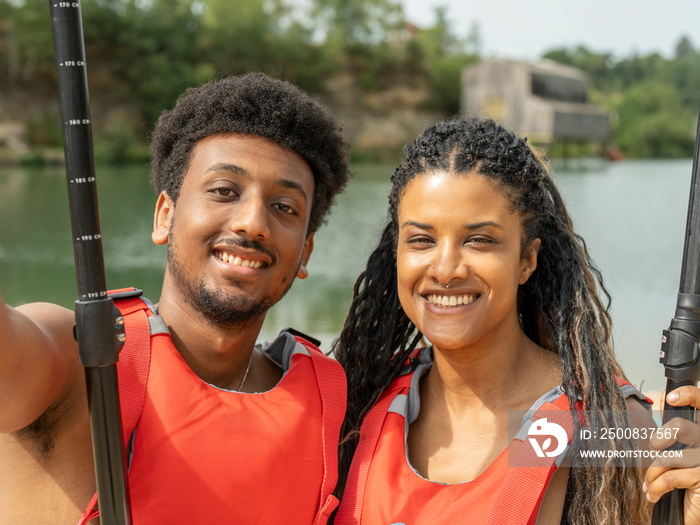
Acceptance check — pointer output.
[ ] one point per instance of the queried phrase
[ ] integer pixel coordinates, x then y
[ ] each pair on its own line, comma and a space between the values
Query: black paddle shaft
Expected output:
99, 327
679, 347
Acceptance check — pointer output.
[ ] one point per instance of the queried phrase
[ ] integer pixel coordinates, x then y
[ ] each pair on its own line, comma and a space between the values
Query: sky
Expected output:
522, 29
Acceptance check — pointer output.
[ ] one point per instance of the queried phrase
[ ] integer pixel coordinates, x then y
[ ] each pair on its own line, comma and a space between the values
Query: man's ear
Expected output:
165, 208
303, 272
528, 264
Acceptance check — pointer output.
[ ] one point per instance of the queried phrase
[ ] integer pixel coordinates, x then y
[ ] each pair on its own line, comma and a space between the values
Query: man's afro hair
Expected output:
252, 104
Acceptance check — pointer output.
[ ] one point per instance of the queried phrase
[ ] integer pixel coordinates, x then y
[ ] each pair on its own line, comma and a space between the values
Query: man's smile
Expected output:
237, 260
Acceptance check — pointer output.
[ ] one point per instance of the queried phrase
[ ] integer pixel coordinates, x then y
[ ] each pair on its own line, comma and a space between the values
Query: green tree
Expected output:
445, 54
262, 35
26, 43
598, 66
358, 22
684, 48
653, 123
636, 69
356, 35
684, 72
150, 46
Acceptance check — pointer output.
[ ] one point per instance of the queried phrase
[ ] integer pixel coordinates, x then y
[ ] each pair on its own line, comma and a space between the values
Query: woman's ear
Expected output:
165, 208
528, 264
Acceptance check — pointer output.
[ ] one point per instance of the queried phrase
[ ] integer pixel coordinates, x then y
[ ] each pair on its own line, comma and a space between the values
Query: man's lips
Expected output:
242, 252
238, 260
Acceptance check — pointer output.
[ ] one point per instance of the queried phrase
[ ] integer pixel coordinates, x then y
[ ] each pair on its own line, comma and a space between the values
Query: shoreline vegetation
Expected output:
383, 76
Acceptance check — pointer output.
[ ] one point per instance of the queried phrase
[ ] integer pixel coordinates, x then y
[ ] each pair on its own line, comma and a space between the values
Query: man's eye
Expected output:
285, 208
224, 192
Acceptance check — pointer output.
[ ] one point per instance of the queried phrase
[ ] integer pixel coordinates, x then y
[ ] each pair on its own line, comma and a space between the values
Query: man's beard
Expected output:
217, 306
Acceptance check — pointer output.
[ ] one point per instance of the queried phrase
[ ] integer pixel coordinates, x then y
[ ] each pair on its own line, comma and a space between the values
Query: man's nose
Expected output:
251, 218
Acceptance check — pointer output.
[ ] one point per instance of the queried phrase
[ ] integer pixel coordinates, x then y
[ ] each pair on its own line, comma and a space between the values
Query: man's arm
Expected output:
38, 361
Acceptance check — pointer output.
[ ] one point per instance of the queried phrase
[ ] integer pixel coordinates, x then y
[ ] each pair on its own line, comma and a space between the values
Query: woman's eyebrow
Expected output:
471, 226
417, 225
476, 225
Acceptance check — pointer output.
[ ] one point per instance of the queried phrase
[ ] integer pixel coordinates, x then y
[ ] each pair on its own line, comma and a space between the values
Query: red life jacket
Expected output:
203, 454
383, 488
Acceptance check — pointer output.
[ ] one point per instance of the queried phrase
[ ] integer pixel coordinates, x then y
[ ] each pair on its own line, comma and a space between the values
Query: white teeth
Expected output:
238, 261
451, 300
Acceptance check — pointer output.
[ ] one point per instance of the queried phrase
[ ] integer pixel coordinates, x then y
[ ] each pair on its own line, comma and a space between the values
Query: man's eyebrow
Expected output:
223, 166
292, 185
233, 168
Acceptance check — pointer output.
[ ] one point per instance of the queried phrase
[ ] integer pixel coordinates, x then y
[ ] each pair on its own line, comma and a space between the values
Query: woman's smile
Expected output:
449, 301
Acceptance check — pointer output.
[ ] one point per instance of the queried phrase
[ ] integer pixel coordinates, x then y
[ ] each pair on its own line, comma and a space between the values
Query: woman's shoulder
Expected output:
639, 413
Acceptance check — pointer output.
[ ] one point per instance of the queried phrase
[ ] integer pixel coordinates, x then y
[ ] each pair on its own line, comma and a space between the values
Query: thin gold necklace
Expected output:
250, 360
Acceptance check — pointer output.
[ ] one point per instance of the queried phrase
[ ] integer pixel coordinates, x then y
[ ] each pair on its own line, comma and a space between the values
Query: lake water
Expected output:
632, 215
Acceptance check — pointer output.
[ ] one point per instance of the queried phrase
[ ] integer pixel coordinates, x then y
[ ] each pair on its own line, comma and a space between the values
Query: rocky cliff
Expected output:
377, 123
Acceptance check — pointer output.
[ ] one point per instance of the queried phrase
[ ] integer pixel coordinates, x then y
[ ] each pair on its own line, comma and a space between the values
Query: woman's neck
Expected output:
499, 375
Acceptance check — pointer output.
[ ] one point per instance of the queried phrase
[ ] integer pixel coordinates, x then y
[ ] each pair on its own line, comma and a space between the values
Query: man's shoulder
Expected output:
49, 316
55, 324
41, 365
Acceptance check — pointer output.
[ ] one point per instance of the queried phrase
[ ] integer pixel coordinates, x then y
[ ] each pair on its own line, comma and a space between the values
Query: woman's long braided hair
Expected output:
563, 307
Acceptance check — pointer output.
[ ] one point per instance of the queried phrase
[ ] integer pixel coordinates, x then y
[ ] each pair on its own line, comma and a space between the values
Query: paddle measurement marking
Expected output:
91, 238
94, 237
78, 122
94, 295
79, 63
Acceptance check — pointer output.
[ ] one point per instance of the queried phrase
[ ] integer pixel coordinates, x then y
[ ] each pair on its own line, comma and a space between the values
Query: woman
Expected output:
480, 258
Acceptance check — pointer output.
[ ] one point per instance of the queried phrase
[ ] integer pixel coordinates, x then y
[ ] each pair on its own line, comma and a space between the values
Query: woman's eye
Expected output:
480, 240
419, 240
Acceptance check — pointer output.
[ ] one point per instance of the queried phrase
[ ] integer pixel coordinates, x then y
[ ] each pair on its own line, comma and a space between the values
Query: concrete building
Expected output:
544, 101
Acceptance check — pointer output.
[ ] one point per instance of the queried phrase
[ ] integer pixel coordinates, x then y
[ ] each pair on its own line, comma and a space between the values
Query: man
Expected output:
246, 168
